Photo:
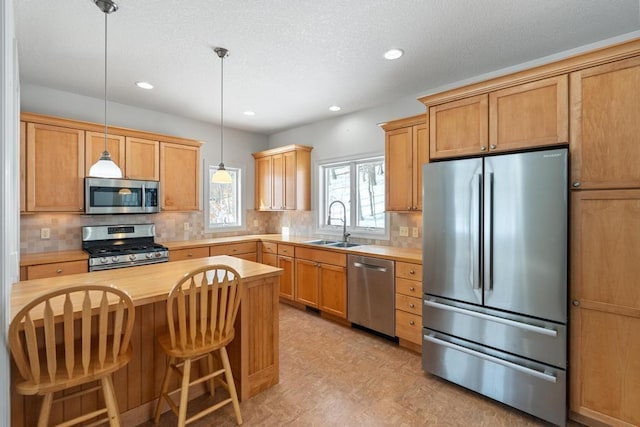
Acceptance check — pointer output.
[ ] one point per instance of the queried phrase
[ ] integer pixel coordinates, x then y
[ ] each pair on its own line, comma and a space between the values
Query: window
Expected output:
224, 210
359, 185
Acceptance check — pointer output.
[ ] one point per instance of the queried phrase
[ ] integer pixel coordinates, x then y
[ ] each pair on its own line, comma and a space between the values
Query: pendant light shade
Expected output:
221, 176
105, 167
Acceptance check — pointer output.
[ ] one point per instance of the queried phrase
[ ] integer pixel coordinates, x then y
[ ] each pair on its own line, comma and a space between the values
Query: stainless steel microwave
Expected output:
120, 196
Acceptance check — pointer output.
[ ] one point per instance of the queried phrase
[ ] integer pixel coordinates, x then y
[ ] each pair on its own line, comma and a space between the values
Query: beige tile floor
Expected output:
331, 375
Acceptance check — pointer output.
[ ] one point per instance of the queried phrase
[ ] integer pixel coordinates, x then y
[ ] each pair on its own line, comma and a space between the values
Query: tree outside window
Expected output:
225, 204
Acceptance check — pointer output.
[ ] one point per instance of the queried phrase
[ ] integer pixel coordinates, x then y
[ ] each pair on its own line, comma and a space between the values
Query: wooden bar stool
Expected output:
201, 311
50, 358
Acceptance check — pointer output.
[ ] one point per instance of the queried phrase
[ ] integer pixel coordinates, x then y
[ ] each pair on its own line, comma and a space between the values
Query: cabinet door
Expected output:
288, 278
23, 167
189, 253
289, 178
56, 269
420, 157
529, 115
306, 283
277, 181
263, 184
94, 146
605, 130
179, 177
398, 168
270, 259
333, 290
55, 168
142, 159
605, 310
459, 128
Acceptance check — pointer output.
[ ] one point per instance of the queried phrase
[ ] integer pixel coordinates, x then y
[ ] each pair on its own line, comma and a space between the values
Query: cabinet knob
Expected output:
412, 323
575, 302
493, 146
576, 184
412, 305
483, 148
412, 289
58, 271
412, 272
189, 254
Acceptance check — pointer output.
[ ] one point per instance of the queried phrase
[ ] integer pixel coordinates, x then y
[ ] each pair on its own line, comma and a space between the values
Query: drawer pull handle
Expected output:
412, 323
412, 305
412, 272
59, 271
189, 254
412, 289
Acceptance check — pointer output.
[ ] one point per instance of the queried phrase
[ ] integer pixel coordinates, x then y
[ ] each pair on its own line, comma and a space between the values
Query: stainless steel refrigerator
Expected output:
495, 277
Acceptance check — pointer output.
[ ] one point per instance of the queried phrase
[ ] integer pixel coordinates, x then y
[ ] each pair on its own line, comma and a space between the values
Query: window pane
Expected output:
224, 200
370, 189
338, 187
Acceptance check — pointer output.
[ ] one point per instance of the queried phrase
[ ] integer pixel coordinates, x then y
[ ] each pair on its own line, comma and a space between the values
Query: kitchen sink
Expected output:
322, 242
343, 245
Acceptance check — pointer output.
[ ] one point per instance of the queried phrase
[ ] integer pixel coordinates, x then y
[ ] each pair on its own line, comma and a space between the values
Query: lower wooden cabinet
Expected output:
244, 250
55, 269
306, 283
409, 304
288, 277
605, 307
190, 253
321, 280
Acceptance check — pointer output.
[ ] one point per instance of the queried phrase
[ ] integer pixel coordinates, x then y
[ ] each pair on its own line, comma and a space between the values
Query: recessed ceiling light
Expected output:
392, 54
334, 108
249, 113
144, 85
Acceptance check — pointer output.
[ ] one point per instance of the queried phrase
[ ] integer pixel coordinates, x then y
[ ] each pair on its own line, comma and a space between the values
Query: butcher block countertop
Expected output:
52, 257
380, 251
145, 284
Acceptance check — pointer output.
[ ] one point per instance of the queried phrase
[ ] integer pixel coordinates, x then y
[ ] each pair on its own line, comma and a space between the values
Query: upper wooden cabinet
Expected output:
142, 159
459, 128
529, 115
406, 150
94, 146
283, 178
605, 126
23, 166
179, 177
54, 168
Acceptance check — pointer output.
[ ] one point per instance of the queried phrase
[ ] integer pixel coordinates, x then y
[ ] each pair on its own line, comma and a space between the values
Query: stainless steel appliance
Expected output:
120, 196
495, 277
117, 246
371, 290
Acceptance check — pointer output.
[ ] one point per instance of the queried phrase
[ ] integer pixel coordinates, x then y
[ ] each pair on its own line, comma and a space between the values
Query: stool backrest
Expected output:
202, 307
99, 318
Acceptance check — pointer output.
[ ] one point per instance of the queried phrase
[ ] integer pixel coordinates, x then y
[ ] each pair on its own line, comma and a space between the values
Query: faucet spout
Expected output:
345, 235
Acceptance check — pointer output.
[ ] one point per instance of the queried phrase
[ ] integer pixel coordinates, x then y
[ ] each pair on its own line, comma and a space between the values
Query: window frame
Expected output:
321, 226
241, 202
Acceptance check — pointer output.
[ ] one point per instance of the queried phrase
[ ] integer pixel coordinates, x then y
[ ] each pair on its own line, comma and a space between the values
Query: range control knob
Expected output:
103, 260
158, 254
132, 257
149, 255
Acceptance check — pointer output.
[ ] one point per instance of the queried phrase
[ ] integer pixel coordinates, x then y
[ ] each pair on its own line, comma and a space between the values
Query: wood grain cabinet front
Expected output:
321, 280
244, 250
189, 253
42, 271
179, 177
409, 305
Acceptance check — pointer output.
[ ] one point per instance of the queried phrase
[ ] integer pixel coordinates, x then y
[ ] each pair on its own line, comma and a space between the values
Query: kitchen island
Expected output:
253, 353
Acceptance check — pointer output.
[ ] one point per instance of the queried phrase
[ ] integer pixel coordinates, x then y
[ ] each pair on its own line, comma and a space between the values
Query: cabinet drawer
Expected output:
190, 253
287, 250
409, 304
249, 257
322, 256
233, 248
269, 248
409, 326
409, 271
412, 288
56, 269
270, 259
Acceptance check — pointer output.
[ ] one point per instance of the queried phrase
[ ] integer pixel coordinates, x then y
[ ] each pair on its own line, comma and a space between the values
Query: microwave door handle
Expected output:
144, 196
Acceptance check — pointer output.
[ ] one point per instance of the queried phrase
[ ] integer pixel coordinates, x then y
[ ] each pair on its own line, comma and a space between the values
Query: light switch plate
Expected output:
404, 231
415, 232
186, 226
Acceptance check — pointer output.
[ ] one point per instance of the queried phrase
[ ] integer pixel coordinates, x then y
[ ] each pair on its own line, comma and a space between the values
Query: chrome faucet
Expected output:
345, 235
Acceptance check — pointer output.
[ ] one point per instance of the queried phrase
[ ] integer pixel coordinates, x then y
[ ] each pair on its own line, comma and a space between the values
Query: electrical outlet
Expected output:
256, 223
186, 226
404, 231
415, 232
45, 233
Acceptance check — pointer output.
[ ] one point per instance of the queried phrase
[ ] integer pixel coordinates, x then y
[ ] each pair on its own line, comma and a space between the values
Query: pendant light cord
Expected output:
105, 82
222, 109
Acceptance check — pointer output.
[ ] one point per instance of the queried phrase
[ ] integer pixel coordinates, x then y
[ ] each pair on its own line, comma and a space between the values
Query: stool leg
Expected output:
164, 389
110, 401
232, 386
45, 410
212, 381
184, 392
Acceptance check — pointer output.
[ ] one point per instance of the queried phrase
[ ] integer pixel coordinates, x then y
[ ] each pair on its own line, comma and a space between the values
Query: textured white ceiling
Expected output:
291, 59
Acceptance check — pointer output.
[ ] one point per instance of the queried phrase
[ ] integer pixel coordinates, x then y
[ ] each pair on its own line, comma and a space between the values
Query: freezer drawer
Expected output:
531, 338
529, 386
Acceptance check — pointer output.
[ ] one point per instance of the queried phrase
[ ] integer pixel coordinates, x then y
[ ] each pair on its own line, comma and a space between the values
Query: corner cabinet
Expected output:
179, 177
406, 149
283, 178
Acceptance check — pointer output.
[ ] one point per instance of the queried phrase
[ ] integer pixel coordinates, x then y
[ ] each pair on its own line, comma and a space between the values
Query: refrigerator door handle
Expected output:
532, 328
541, 375
489, 266
475, 227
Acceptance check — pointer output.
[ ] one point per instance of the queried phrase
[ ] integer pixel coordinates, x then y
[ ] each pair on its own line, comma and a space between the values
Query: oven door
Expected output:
120, 196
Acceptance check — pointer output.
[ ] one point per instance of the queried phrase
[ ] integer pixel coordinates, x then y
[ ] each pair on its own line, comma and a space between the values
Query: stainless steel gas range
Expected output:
117, 246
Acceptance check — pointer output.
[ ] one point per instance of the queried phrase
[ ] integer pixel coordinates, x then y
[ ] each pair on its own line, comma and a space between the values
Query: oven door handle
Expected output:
516, 367
527, 327
144, 196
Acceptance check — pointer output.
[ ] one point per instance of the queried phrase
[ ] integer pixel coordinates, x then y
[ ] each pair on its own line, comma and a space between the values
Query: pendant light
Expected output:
105, 167
221, 176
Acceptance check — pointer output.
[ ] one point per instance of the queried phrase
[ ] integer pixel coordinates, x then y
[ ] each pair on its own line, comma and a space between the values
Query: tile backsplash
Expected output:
65, 229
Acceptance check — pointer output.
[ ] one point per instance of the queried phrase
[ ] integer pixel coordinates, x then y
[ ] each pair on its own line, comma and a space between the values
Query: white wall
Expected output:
9, 185
238, 145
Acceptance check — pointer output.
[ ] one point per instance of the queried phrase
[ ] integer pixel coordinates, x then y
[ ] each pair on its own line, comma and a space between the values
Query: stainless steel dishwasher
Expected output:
372, 294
